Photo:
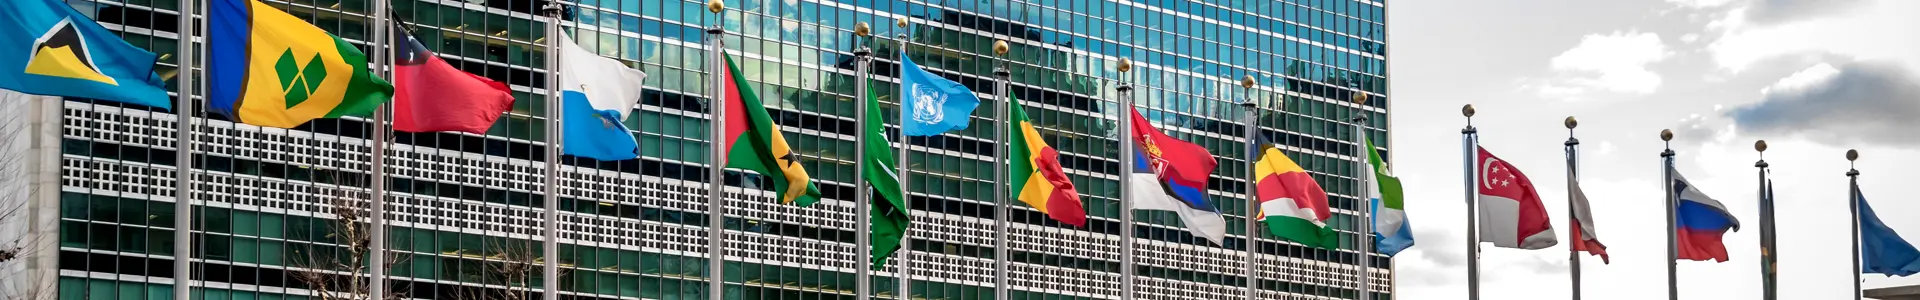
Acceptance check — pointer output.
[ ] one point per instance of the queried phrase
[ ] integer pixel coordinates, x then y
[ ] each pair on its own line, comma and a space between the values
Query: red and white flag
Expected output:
1511, 215
1583, 237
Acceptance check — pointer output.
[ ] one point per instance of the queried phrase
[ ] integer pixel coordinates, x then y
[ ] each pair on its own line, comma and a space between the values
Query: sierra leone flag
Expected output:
1389, 212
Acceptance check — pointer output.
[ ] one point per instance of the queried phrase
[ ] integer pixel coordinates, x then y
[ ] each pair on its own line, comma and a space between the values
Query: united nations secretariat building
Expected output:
95, 180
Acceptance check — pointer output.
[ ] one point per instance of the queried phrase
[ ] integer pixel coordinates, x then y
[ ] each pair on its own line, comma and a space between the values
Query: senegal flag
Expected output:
1038, 179
754, 143
890, 219
1291, 203
271, 69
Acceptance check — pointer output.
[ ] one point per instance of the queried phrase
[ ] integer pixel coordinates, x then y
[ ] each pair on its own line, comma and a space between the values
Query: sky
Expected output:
1813, 78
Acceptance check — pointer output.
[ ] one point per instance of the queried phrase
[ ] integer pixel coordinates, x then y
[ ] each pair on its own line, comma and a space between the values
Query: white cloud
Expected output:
1615, 62
1699, 3
1803, 79
1872, 34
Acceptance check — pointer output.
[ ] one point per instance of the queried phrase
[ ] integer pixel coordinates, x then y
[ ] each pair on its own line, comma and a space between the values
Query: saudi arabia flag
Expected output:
890, 219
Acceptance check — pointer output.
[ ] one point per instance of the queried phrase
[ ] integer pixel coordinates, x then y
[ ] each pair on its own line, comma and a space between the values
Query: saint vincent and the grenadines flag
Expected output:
269, 68
1292, 204
47, 48
755, 143
1037, 178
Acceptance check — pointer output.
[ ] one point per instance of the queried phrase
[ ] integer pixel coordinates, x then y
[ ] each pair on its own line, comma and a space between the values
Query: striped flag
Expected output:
1037, 177
1291, 203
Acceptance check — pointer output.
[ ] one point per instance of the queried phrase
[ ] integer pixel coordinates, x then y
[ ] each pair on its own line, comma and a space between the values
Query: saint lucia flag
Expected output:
268, 68
598, 94
47, 48
933, 105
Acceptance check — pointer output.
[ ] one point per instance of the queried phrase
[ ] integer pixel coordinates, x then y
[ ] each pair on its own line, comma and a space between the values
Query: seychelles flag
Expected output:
1171, 175
268, 68
1292, 205
1702, 222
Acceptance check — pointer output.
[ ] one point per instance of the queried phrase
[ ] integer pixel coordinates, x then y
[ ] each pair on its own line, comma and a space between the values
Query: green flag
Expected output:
890, 219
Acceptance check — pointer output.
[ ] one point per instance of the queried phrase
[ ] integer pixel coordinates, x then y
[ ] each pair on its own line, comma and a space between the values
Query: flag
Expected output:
597, 94
1171, 175
755, 143
268, 68
1584, 238
1882, 251
890, 218
1702, 222
1769, 266
935, 105
1038, 179
1291, 203
430, 95
1511, 215
1389, 213
48, 48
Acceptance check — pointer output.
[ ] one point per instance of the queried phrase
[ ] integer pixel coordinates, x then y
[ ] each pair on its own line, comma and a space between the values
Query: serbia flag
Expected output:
1171, 175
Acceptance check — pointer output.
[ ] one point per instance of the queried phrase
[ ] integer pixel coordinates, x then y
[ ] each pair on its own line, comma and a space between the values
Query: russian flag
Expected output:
1702, 221
1171, 175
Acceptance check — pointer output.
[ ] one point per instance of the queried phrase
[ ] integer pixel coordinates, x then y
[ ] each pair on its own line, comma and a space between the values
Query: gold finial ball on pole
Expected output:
1571, 122
1248, 82
1125, 65
1853, 154
861, 29
1760, 145
901, 22
1000, 48
1360, 98
1666, 135
1467, 110
716, 6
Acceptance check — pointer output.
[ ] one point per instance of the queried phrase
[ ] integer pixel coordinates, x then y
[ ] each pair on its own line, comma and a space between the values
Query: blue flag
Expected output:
47, 48
932, 105
1882, 251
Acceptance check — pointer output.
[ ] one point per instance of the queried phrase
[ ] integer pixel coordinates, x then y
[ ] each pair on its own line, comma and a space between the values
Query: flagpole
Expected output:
1253, 198
1366, 199
1470, 138
904, 276
1125, 122
1666, 183
377, 206
716, 167
1573, 172
862, 200
1000, 186
1769, 283
550, 236
1853, 206
183, 156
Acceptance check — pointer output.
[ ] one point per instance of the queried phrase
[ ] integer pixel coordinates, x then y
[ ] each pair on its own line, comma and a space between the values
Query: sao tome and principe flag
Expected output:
1702, 222
1511, 215
1037, 177
755, 143
1292, 204
268, 68
889, 204
1395, 234
431, 95
48, 48
1171, 175
597, 94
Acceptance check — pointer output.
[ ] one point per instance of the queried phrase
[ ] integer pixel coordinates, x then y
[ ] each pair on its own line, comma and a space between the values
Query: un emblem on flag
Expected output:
927, 104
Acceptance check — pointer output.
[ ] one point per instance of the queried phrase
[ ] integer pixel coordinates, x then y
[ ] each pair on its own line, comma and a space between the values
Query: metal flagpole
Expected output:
377, 206
1366, 196
1253, 198
862, 195
550, 236
183, 156
1673, 199
717, 167
1769, 283
1125, 122
1000, 186
1853, 205
904, 276
1469, 139
1573, 173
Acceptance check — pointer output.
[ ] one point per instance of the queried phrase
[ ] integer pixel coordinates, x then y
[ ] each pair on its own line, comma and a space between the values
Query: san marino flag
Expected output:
933, 105
271, 69
47, 48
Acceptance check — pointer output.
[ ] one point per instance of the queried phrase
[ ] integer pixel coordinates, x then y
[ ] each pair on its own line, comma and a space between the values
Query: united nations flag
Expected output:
932, 105
47, 48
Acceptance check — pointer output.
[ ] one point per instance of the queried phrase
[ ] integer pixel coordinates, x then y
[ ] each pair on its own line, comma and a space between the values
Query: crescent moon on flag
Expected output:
1488, 164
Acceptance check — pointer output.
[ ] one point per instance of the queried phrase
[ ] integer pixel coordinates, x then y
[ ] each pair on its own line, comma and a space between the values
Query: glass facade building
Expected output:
465, 209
